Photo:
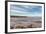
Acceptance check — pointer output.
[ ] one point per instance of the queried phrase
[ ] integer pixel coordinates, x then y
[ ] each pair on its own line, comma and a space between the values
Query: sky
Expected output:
25, 10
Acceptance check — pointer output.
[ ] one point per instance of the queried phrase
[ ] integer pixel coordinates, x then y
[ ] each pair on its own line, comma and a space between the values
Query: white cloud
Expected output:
16, 11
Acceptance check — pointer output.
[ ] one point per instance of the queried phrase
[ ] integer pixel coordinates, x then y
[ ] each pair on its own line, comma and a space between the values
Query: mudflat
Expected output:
22, 22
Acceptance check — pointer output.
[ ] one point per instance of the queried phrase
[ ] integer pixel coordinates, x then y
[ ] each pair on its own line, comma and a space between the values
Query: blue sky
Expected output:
25, 10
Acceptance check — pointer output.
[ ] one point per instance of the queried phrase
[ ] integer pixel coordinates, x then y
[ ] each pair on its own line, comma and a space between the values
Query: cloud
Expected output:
26, 10
17, 11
